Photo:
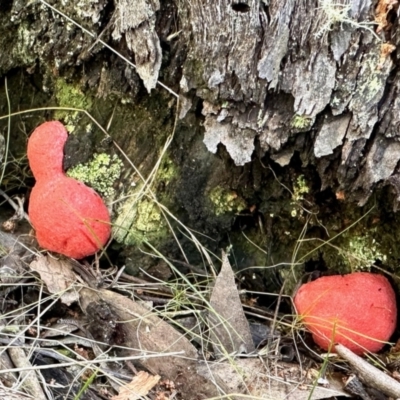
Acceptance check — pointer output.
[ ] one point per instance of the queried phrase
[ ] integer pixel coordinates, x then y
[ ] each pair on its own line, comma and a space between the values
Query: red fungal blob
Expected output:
69, 217
357, 310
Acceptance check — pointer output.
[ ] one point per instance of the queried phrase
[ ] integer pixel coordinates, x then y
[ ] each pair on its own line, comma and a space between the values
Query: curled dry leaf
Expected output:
140, 385
57, 275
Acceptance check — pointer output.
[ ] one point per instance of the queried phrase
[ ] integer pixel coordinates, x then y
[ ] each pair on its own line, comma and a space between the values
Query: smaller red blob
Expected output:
356, 310
69, 217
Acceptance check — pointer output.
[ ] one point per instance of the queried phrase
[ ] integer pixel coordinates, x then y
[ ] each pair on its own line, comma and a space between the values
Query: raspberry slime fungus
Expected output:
69, 217
356, 310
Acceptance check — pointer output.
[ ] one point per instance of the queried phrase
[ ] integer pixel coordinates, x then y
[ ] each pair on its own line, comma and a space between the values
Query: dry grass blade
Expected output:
9, 394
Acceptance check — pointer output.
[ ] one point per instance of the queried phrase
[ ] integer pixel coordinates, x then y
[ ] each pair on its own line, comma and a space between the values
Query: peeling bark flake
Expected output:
239, 143
381, 163
331, 135
137, 21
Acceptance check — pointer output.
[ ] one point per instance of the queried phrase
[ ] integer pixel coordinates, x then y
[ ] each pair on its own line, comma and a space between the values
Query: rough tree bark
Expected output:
288, 120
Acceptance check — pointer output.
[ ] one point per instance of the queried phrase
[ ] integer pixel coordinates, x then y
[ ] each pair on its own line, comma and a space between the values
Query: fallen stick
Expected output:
369, 374
31, 382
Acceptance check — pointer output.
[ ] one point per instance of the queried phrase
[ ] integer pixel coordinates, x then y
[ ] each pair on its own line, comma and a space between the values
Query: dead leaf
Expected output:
145, 333
57, 275
229, 328
140, 385
82, 352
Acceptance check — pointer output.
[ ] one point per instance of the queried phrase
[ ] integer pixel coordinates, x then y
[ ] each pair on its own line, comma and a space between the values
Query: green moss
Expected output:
100, 173
226, 201
139, 218
300, 188
353, 253
167, 171
352, 250
362, 252
139, 221
301, 122
149, 218
71, 96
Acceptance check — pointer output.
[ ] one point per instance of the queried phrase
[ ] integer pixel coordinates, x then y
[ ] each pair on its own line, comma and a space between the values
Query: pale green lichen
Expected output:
226, 201
300, 188
301, 122
138, 221
70, 96
148, 217
361, 252
371, 83
139, 217
24, 44
99, 173
167, 170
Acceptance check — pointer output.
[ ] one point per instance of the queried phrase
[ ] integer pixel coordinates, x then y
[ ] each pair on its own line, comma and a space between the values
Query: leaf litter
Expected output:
58, 275
103, 332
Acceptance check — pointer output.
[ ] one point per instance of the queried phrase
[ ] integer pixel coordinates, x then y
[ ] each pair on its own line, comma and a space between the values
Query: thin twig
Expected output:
369, 374
13, 204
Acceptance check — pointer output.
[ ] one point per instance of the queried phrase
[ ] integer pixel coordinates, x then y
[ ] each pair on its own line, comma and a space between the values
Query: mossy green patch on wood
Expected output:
71, 96
139, 220
226, 201
361, 251
167, 171
149, 217
352, 251
300, 188
301, 123
100, 173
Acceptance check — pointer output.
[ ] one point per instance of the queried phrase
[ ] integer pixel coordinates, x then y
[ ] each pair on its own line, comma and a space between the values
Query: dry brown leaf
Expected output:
140, 385
82, 352
57, 275
229, 328
145, 333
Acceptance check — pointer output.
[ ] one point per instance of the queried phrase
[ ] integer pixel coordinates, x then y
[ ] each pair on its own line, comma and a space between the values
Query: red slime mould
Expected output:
356, 310
69, 217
